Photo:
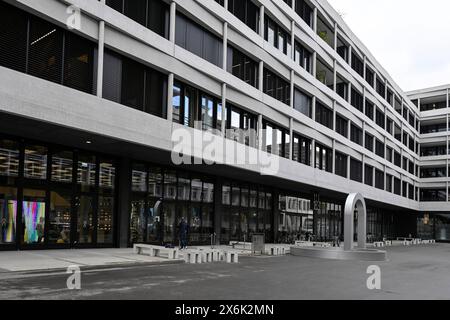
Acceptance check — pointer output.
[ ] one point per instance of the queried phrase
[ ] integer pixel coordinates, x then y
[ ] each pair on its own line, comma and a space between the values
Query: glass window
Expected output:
35, 162
8, 214
155, 176
33, 216
184, 187
9, 158
236, 196
105, 220
226, 195
196, 190
86, 170
139, 178
207, 113
208, 192
62, 166
107, 174
59, 217
170, 185
85, 219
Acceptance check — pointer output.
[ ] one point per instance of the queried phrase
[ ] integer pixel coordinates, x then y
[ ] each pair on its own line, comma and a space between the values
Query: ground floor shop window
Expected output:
8, 214
328, 221
295, 219
162, 197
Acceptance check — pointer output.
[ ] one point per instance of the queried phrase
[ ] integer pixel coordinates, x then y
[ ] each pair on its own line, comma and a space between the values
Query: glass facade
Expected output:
55, 197
296, 219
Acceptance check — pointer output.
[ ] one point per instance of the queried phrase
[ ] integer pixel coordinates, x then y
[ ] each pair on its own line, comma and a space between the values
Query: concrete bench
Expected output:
276, 251
378, 244
193, 256
231, 257
407, 242
156, 251
388, 243
211, 255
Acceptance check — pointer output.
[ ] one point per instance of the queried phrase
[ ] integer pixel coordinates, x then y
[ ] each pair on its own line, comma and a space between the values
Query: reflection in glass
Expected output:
33, 216
155, 182
107, 175
170, 185
139, 178
86, 170
8, 214
59, 218
196, 191
9, 158
137, 221
62, 166
105, 219
195, 223
169, 222
35, 162
85, 225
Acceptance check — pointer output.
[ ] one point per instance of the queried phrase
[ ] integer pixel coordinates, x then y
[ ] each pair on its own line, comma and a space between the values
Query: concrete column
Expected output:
224, 106
313, 153
364, 99
293, 38
261, 76
349, 94
170, 97
363, 168
335, 36
334, 115
448, 96
374, 80
101, 55
173, 15
313, 108
364, 134
348, 167
350, 50
291, 93
261, 137
334, 76
334, 156
124, 200
314, 64
225, 46
291, 141
365, 67
225, 4
261, 21
315, 20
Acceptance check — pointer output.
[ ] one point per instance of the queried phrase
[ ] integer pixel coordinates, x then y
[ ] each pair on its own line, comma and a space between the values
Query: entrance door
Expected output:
85, 208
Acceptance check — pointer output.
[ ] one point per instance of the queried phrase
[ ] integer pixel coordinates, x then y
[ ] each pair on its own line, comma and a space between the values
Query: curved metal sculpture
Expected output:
355, 203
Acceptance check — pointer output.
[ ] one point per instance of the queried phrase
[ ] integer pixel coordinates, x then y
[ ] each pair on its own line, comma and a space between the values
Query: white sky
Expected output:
409, 38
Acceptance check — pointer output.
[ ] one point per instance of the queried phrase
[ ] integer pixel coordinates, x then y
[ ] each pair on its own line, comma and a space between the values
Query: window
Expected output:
397, 186
380, 118
342, 88
341, 164
324, 158
356, 134
246, 11
302, 56
242, 125
277, 140
370, 76
199, 41
357, 100
397, 159
381, 88
379, 179
368, 175
32, 45
302, 102
134, 85
357, 64
389, 124
389, 152
301, 150
389, 183
153, 14
356, 170
276, 87
9, 158
324, 115
369, 109
435, 195
277, 36
379, 148
242, 67
341, 126
304, 11
369, 142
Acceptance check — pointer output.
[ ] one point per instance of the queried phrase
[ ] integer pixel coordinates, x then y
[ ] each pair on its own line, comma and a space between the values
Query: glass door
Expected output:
85, 208
33, 217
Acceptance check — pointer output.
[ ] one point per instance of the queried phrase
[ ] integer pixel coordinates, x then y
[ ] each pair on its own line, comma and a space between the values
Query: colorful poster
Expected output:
8, 220
34, 219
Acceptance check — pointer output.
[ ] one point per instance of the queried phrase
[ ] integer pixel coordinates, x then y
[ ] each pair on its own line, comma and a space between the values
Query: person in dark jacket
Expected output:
183, 230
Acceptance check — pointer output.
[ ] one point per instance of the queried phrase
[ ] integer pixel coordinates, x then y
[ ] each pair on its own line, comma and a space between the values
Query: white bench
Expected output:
378, 244
231, 257
193, 256
407, 242
388, 243
276, 251
156, 251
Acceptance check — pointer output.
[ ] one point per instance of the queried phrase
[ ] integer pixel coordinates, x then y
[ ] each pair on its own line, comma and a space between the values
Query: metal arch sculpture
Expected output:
355, 200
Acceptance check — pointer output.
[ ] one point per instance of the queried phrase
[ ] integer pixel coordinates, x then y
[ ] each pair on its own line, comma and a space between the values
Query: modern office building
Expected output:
87, 118
433, 104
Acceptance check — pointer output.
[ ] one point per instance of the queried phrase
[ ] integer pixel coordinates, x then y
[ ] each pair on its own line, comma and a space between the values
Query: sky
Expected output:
409, 38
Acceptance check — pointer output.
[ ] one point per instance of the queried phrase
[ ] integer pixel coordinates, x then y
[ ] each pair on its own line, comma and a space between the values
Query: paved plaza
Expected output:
421, 272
